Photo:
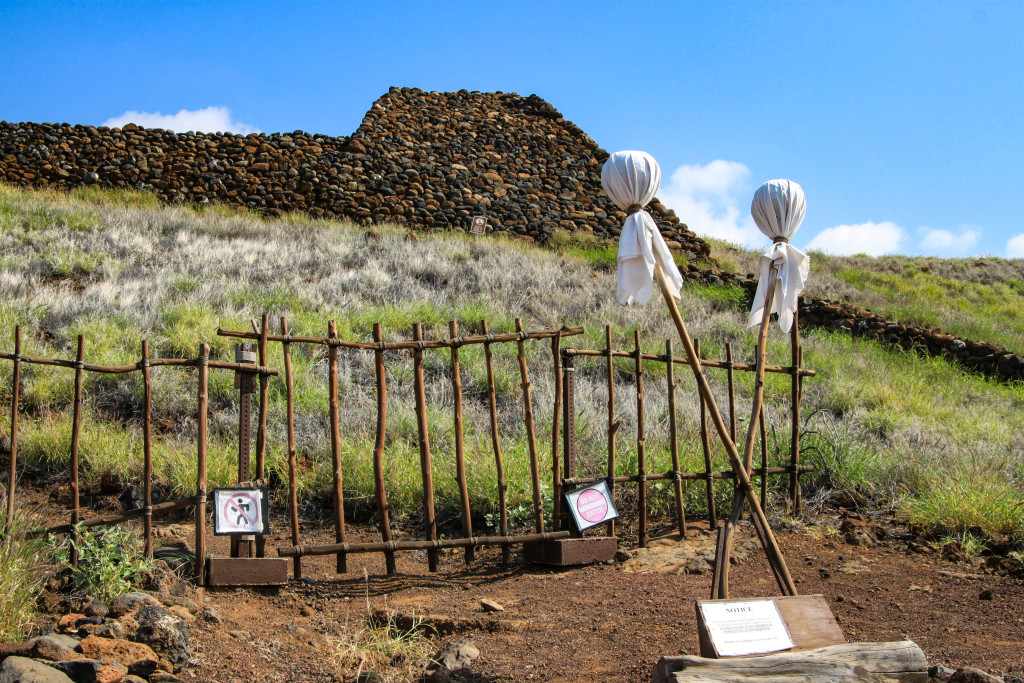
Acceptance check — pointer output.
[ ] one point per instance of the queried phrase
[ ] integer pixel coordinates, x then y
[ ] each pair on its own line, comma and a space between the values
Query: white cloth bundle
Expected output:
778, 209
631, 179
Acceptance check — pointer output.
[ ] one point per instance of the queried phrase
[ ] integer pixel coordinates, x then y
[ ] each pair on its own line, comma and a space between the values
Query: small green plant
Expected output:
22, 571
110, 561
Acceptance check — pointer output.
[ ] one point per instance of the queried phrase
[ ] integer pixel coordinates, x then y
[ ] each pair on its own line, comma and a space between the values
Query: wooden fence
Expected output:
563, 474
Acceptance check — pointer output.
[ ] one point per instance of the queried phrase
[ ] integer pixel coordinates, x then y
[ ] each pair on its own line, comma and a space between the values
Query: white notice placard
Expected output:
747, 627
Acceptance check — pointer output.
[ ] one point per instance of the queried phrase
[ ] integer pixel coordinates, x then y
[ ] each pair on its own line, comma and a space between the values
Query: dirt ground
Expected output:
603, 622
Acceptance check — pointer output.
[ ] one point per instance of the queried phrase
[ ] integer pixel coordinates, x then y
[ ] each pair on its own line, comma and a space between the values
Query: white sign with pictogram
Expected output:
479, 226
239, 511
591, 505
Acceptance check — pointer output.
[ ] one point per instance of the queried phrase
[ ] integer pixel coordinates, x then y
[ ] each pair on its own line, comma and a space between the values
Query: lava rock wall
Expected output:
425, 159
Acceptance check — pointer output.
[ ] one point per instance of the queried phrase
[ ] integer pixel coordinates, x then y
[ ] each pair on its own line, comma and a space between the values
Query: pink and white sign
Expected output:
591, 505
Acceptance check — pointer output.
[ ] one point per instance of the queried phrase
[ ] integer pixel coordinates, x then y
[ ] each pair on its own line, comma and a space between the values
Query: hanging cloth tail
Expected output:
641, 248
792, 268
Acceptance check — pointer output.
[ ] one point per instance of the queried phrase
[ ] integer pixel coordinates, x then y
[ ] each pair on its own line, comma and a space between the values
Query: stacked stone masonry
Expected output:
988, 359
424, 159
428, 160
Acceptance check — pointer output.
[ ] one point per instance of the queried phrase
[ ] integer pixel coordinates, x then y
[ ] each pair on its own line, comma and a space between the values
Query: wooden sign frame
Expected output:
807, 617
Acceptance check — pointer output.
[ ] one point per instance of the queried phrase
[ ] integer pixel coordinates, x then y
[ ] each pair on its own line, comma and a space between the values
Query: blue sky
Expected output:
903, 121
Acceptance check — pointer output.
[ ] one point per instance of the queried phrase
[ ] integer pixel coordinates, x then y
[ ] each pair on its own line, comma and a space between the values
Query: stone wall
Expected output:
427, 160
988, 359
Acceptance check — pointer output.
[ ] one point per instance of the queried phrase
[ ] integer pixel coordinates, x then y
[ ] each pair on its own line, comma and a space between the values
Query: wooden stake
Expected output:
293, 460
76, 429
765, 535
613, 424
764, 457
15, 404
147, 449
556, 414
674, 440
261, 433
531, 435
203, 410
706, 447
378, 450
795, 400
641, 448
492, 400
339, 500
426, 467
460, 454
730, 373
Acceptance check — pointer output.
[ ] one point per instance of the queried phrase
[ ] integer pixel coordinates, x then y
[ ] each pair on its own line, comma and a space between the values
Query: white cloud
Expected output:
1015, 246
708, 199
209, 120
948, 242
873, 239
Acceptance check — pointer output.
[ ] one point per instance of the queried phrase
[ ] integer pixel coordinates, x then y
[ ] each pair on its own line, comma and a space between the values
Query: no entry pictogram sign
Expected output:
239, 511
591, 505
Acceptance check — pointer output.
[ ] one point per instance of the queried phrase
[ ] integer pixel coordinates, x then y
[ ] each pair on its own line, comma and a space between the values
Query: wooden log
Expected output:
531, 434
641, 448
705, 363
795, 399
613, 424
771, 547
460, 453
673, 437
686, 476
568, 433
293, 458
383, 514
135, 367
426, 466
706, 448
407, 346
339, 497
76, 429
764, 457
499, 464
430, 546
556, 414
868, 662
731, 378
15, 405
201, 419
261, 428
147, 449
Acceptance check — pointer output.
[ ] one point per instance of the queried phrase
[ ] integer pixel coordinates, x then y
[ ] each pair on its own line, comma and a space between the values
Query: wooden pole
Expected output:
76, 429
764, 457
613, 424
339, 499
426, 466
203, 410
568, 433
765, 535
492, 401
383, 515
15, 403
556, 414
673, 436
147, 449
293, 459
795, 400
531, 435
706, 447
730, 373
261, 432
377, 547
641, 448
460, 453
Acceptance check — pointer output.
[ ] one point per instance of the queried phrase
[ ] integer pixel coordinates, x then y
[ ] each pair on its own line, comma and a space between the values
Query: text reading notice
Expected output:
748, 627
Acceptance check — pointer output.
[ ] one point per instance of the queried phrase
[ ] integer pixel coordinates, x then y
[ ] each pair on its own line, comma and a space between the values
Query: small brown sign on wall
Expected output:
479, 226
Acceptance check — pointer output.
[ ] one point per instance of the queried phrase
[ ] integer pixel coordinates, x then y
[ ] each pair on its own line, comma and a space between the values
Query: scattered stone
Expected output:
165, 633
455, 656
940, 671
123, 604
69, 622
968, 675
491, 605
164, 677
24, 670
124, 651
986, 595
241, 635
307, 611
92, 670
210, 615
56, 648
96, 608
22, 649
181, 612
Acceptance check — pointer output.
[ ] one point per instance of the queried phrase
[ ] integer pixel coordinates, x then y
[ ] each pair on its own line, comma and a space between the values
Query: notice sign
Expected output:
748, 627
591, 505
479, 226
239, 511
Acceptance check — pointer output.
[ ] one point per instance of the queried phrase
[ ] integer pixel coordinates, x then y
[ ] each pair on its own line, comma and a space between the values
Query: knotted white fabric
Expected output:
631, 179
778, 209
